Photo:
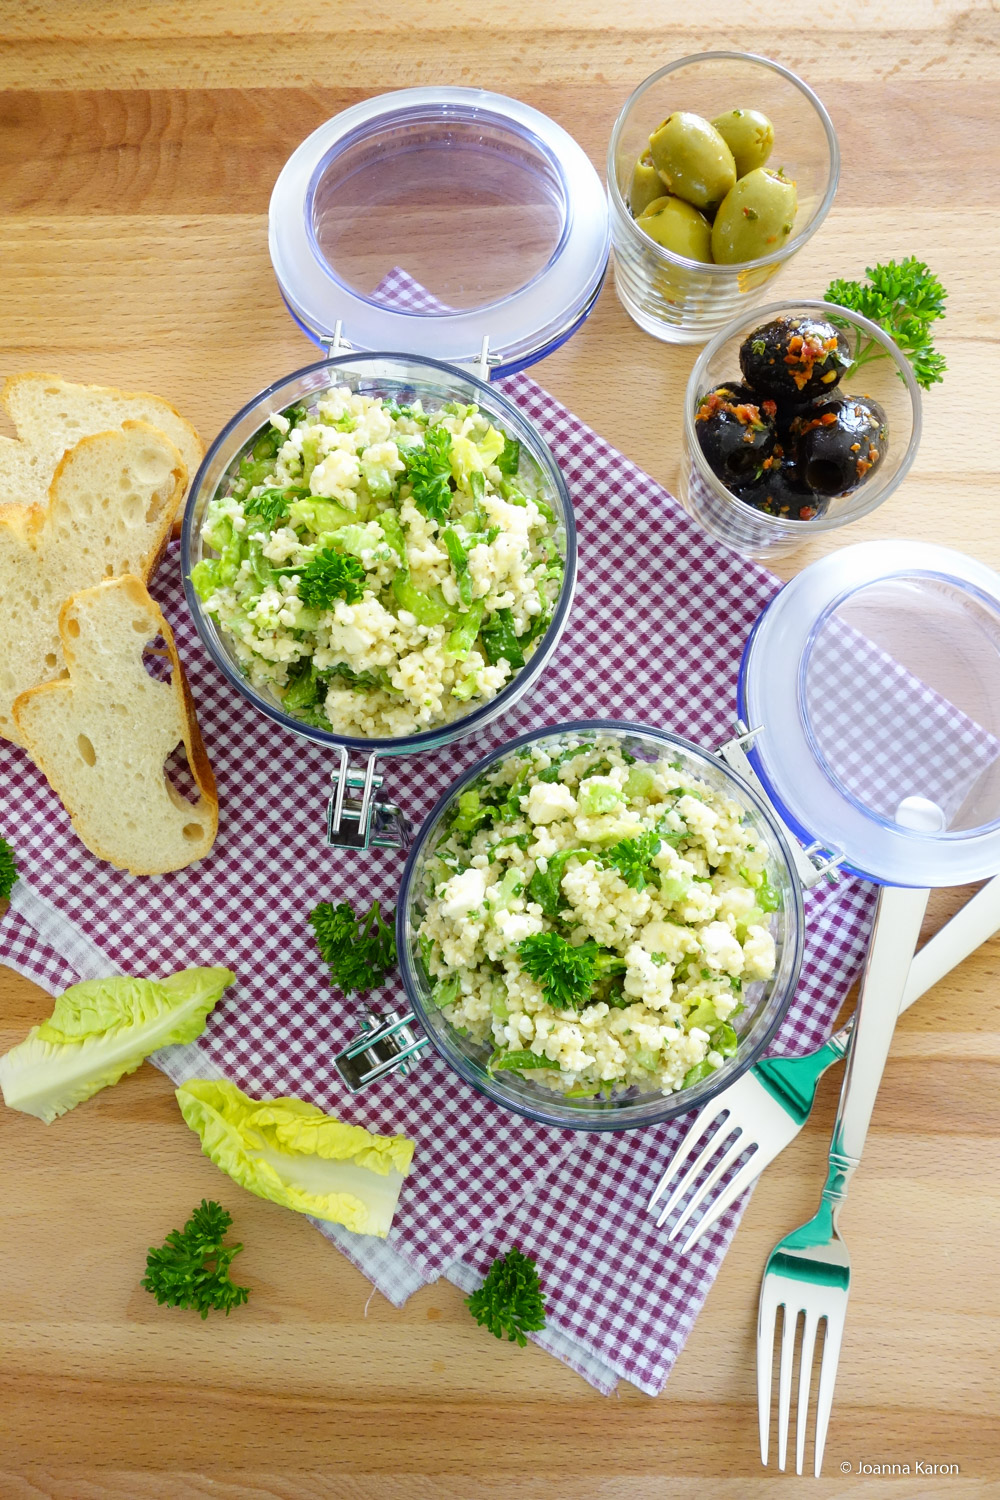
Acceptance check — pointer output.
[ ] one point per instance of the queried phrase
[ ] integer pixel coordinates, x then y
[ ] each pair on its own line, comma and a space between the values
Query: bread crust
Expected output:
13, 381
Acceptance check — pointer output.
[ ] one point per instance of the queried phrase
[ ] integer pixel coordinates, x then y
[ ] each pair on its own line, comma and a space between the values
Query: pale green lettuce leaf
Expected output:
99, 1031
292, 1153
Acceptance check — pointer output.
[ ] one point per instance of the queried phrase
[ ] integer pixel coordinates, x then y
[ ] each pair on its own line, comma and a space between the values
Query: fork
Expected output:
809, 1271
767, 1106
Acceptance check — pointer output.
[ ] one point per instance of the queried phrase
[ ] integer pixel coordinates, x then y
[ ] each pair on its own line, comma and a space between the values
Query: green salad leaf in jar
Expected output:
378, 568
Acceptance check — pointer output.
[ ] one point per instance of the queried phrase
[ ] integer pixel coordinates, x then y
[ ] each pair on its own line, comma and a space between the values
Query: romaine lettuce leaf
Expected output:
292, 1153
99, 1031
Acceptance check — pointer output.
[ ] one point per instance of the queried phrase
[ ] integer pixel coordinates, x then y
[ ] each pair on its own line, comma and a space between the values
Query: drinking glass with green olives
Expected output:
783, 438
703, 213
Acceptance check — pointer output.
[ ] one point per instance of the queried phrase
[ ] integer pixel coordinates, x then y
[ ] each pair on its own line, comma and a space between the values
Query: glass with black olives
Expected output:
782, 439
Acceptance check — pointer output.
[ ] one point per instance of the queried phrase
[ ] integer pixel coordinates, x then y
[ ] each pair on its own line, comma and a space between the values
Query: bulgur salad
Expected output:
597, 919
381, 569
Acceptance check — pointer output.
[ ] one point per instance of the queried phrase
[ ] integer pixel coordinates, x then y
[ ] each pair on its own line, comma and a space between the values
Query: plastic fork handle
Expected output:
972, 926
894, 938
968, 929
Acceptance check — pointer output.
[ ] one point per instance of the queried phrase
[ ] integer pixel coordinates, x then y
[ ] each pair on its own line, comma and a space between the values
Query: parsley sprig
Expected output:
429, 472
633, 857
359, 953
510, 1300
8, 870
905, 298
270, 506
567, 974
191, 1268
331, 575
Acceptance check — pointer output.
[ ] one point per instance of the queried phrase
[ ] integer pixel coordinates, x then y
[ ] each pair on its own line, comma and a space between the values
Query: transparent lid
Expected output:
875, 675
427, 220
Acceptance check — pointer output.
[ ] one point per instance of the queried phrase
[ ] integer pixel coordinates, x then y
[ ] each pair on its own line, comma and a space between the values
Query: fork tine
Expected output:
766, 1319
734, 1152
805, 1380
707, 1117
788, 1325
746, 1174
827, 1381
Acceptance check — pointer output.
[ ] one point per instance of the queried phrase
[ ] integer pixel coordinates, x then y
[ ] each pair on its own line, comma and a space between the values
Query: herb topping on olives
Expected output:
794, 359
840, 442
780, 491
736, 431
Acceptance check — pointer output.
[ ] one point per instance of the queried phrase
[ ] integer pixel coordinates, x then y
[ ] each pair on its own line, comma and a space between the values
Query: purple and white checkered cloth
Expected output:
655, 636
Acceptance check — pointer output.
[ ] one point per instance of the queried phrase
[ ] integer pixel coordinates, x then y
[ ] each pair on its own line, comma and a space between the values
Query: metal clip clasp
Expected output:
335, 343
383, 1047
813, 864
355, 818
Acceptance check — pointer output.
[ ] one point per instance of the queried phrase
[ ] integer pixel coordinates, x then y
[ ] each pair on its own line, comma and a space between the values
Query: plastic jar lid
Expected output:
429, 219
875, 675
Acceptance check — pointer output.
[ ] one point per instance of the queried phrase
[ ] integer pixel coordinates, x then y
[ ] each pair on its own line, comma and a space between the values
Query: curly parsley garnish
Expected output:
566, 974
510, 1300
359, 953
331, 575
429, 473
270, 506
8, 870
191, 1269
633, 857
905, 298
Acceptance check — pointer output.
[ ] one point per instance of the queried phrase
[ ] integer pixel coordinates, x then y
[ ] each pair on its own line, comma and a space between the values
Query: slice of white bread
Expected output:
51, 415
109, 512
103, 735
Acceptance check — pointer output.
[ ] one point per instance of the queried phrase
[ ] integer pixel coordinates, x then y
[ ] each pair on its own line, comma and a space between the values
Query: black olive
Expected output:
735, 431
840, 442
781, 491
794, 359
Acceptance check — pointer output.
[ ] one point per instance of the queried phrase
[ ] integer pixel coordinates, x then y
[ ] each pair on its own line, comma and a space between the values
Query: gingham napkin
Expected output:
655, 635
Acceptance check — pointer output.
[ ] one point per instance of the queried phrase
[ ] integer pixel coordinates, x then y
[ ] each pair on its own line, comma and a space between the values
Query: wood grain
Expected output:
138, 147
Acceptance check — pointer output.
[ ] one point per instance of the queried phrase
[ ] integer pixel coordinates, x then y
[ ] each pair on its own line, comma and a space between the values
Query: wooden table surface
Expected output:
138, 147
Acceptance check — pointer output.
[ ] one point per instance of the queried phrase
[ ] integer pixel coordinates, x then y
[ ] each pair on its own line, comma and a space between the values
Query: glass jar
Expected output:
889, 381
685, 301
404, 379
765, 1001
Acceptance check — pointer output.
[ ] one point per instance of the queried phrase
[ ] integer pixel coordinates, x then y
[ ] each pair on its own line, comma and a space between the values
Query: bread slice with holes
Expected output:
103, 735
51, 415
109, 511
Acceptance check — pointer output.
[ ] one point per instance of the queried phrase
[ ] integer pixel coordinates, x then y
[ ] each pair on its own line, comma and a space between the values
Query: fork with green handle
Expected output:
768, 1105
808, 1273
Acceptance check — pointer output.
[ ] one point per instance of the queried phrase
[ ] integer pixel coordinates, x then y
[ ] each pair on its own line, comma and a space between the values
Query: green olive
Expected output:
749, 136
645, 185
679, 227
755, 218
692, 159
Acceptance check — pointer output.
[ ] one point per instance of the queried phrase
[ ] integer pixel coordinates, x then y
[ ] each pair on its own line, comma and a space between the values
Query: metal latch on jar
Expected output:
383, 1046
812, 864
483, 366
355, 817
